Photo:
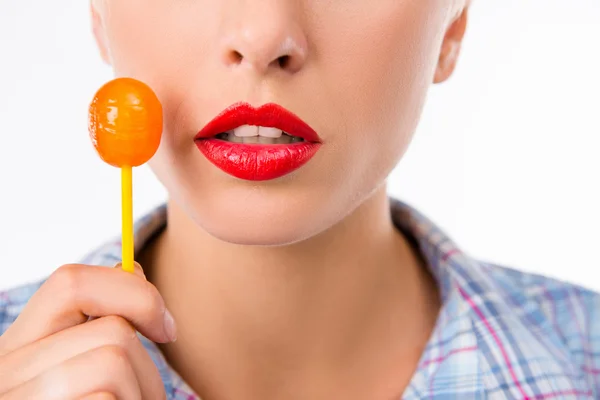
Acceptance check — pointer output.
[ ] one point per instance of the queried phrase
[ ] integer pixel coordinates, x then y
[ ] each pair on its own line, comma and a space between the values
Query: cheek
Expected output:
378, 68
156, 41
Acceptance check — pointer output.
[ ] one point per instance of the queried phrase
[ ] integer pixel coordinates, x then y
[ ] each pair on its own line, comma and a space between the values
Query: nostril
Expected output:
283, 61
235, 57
286, 62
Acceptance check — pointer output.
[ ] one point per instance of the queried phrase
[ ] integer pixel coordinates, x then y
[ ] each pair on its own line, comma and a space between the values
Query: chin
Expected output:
271, 236
279, 227
255, 215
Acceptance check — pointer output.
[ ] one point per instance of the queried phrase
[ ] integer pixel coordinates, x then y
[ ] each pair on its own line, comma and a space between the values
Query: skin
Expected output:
295, 288
54, 350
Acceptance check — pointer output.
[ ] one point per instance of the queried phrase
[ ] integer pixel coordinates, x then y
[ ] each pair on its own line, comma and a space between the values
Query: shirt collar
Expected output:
483, 342
490, 337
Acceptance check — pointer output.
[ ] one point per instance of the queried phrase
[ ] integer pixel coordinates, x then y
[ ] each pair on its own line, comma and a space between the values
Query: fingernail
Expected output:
138, 270
170, 326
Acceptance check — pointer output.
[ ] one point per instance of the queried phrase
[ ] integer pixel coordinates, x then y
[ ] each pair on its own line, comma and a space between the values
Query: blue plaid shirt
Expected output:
501, 334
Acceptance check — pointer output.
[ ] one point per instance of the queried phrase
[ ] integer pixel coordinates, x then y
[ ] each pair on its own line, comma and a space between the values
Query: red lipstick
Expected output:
257, 161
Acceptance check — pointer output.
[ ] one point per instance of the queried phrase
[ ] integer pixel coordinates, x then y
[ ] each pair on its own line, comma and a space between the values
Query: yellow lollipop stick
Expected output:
127, 249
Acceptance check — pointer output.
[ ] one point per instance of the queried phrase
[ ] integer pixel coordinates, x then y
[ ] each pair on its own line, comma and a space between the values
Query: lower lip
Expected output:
257, 162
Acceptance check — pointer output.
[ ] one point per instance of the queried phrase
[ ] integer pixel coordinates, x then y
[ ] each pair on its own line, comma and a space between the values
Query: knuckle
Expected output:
65, 279
115, 358
121, 331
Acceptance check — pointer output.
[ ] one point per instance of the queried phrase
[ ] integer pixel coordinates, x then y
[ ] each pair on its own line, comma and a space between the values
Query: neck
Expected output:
262, 317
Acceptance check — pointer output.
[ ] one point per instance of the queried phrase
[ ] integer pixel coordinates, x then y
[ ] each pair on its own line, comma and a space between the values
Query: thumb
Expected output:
137, 269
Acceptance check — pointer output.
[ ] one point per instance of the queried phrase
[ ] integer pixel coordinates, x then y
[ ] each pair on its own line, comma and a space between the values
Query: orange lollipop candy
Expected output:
125, 125
125, 122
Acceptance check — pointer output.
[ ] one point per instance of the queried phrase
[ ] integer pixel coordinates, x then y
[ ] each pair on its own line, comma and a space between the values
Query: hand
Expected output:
54, 350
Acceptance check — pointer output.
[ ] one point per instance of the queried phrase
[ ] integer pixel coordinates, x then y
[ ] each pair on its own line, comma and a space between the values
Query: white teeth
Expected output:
250, 131
283, 139
246, 131
269, 132
258, 134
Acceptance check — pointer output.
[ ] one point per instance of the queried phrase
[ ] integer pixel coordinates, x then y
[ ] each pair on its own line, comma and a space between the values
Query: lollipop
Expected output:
125, 125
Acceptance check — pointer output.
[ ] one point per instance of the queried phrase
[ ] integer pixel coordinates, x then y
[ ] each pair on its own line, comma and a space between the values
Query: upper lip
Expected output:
268, 115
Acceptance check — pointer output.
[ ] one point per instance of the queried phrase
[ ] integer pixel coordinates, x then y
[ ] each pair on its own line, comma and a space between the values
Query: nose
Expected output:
265, 35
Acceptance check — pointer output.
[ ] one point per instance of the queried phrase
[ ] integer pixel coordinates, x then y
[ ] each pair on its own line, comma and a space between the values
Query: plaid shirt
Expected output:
501, 334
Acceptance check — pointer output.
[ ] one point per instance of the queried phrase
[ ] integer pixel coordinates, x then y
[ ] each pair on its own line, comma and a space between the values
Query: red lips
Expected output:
257, 162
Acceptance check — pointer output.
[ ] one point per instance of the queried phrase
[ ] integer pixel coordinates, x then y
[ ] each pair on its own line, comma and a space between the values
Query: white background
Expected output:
505, 160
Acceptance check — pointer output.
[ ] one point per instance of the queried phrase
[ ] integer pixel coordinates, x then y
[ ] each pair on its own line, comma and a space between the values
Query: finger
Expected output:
75, 292
106, 369
138, 270
34, 359
100, 396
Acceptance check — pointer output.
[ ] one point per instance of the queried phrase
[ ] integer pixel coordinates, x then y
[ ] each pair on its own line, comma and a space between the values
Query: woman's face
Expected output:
356, 71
